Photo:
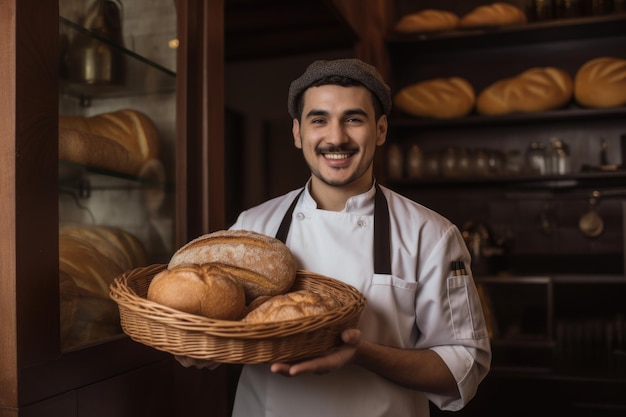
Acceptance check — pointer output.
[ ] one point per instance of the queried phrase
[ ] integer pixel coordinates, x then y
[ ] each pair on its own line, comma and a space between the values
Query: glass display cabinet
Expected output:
112, 137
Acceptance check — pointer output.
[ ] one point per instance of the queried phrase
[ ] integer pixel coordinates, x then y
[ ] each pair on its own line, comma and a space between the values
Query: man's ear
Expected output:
381, 130
295, 130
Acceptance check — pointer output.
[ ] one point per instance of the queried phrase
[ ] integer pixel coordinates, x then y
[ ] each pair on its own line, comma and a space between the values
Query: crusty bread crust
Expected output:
292, 305
264, 265
204, 290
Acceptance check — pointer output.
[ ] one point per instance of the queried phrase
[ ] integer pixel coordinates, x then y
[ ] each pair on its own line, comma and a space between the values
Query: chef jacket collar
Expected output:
361, 204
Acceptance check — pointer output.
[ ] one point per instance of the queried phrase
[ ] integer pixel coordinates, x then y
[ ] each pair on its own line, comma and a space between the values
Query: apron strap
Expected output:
382, 229
283, 229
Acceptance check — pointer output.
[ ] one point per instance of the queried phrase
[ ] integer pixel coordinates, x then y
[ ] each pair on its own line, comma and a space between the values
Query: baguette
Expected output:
495, 14
428, 20
601, 83
534, 90
441, 98
263, 264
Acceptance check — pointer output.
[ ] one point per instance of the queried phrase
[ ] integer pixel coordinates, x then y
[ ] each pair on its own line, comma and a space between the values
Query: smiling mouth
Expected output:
337, 155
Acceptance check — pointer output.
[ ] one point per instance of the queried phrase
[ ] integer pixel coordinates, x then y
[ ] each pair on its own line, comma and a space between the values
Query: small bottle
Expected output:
541, 10
395, 159
414, 163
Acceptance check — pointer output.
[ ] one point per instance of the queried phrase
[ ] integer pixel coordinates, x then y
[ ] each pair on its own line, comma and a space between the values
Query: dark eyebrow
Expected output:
350, 112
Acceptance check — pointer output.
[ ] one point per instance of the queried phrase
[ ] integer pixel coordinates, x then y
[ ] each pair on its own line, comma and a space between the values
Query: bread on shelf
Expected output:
440, 98
494, 14
534, 90
428, 20
601, 83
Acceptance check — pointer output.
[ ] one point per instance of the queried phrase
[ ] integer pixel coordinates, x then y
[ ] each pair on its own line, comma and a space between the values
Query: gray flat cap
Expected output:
356, 69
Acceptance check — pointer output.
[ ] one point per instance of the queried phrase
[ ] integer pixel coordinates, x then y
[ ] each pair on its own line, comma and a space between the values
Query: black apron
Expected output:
382, 230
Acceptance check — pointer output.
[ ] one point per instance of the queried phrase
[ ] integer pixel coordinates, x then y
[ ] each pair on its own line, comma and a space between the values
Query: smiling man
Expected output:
422, 335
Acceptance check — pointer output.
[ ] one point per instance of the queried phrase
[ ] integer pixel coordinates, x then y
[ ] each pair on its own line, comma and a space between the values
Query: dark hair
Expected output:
343, 82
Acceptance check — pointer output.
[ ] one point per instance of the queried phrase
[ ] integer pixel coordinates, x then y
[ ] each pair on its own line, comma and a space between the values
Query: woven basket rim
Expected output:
352, 304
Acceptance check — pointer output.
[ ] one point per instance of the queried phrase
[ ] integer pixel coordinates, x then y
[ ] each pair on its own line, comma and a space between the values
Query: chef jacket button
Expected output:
361, 223
300, 216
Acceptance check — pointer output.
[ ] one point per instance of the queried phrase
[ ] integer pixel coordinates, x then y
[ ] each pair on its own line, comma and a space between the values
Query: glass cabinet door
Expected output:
117, 128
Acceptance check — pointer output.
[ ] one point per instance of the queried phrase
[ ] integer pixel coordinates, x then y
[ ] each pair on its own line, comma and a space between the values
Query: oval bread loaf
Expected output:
601, 83
292, 305
534, 90
441, 98
495, 14
428, 20
204, 290
264, 265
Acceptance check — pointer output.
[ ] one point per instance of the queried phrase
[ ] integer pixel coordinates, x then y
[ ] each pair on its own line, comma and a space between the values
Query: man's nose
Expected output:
336, 133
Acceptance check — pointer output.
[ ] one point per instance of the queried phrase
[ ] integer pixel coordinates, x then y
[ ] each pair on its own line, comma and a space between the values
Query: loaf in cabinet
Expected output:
428, 20
90, 257
534, 90
123, 140
495, 14
601, 83
441, 98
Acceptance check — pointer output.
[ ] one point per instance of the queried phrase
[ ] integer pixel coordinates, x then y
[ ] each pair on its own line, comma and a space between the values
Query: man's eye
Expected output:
318, 121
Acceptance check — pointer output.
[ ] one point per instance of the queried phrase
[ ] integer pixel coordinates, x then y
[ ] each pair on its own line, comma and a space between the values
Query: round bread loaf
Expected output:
534, 90
262, 264
292, 305
440, 98
428, 20
601, 83
204, 290
495, 14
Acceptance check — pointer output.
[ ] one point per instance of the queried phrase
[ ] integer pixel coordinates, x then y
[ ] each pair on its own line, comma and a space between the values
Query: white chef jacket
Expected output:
421, 305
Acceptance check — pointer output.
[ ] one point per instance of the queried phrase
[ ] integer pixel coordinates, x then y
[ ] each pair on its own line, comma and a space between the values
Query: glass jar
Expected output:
559, 162
536, 163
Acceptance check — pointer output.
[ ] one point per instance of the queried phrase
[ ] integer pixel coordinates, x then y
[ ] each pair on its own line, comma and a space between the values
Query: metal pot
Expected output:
590, 223
97, 58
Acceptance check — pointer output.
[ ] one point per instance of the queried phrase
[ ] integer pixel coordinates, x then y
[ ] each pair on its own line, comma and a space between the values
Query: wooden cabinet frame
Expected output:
32, 367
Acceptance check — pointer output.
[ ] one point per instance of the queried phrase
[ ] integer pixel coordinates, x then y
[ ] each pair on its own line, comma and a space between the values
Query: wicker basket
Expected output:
224, 341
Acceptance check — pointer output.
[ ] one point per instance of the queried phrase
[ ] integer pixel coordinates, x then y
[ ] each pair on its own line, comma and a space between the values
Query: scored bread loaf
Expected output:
264, 265
292, 305
601, 83
204, 290
441, 98
132, 129
97, 151
495, 14
428, 20
534, 90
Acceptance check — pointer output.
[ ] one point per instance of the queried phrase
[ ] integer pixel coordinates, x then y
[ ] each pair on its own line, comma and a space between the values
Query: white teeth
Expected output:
336, 155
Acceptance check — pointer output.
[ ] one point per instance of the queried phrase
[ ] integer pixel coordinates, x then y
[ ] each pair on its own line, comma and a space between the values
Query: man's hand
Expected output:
324, 364
198, 363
